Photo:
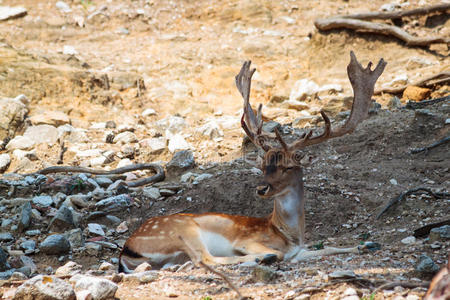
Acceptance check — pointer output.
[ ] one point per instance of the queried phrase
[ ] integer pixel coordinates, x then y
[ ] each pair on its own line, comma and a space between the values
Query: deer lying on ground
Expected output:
215, 238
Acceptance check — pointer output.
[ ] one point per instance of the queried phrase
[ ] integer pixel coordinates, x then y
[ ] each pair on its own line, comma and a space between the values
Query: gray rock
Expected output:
12, 112
28, 246
115, 203
5, 160
28, 263
99, 288
95, 229
63, 220
202, 177
270, 126
25, 217
17, 275
440, 234
172, 124
6, 223
345, 274
408, 240
181, 161
126, 137
33, 232
103, 181
151, 193
72, 134
264, 274
6, 237
8, 12
3, 261
55, 244
6, 274
211, 129
75, 237
93, 249
69, 269
43, 287
42, 201
426, 265
42, 134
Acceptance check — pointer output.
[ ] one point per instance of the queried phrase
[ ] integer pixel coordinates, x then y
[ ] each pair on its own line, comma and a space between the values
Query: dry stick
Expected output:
422, 82
159, 176
399, 14
408, 285
437, 195
194, 257
421, 104
434, 145
61, 153
385, 29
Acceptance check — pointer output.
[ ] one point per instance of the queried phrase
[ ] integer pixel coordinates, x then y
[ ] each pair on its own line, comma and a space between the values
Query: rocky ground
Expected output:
124, 82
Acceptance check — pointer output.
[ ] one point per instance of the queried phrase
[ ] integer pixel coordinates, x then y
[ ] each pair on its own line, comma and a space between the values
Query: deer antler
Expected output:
251, 124
363, 83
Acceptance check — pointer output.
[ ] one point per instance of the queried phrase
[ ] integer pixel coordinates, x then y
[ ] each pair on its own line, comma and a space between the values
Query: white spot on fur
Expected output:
154, 226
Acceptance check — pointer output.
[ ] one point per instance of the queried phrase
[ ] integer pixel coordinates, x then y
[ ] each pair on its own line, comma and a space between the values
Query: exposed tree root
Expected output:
159, 176
354, 22
422, 104
434, 145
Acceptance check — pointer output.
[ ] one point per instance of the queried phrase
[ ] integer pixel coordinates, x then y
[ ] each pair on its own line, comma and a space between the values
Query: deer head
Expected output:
282, 163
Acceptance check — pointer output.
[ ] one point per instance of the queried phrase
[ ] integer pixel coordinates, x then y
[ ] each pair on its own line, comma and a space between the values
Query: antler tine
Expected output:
251, 124
280, 139
363, 82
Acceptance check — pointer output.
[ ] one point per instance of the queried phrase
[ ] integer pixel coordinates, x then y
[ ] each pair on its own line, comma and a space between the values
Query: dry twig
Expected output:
405, 284
436, 195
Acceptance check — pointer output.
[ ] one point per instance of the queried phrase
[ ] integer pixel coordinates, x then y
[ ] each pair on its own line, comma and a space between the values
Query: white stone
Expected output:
8, 12
177, 142
287, 19
389, 7
148, 112
124, 162
151, 192
5, 160
125, 137
96, 229
20, 154
98, 161
98, 125
393, 181
99, 288
172, 124
42, 134
72, 134
154, 144
186, 177
20, 142
63, 7
211, 129
69, 50
86, 153
202, 177
302, 89
409, 240
45, 287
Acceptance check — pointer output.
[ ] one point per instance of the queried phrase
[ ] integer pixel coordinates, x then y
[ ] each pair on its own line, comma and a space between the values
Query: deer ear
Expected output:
253, 159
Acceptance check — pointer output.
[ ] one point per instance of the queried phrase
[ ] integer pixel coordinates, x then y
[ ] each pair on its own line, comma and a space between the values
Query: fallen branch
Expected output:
159, 176
405, 284
434, 145
422, 104
425, 230
402, 196
399, 14
423, 82
62, 150
385, 29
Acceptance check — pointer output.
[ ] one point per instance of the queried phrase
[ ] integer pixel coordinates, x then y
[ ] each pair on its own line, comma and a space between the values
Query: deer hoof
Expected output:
268, 259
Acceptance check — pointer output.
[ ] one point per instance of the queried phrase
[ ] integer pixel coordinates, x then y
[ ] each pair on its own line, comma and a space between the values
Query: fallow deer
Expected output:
215, 238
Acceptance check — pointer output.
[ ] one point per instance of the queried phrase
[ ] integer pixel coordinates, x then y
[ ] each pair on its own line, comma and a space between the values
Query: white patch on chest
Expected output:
216, 244
290, 205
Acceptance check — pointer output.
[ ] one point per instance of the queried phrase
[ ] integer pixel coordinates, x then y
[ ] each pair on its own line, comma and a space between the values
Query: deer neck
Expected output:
289, 212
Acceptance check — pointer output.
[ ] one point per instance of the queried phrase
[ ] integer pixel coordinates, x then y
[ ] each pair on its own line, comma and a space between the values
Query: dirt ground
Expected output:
186, 54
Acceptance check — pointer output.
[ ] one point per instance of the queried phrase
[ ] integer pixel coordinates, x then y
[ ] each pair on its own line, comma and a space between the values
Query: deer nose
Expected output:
262, 190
